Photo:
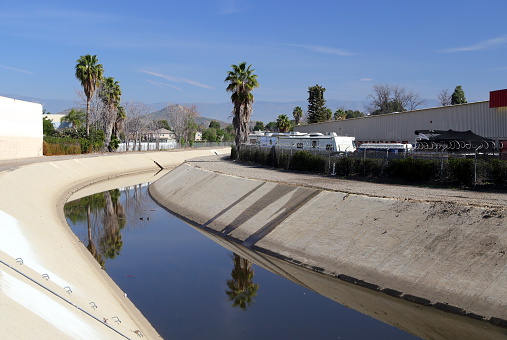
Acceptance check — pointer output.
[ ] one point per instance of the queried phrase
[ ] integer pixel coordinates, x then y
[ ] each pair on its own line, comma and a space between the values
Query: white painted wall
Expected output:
20, 128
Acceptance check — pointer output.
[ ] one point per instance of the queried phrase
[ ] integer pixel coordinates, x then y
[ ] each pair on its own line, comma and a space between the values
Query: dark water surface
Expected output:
190, 287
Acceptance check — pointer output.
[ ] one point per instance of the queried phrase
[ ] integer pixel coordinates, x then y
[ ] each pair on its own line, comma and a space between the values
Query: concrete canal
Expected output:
191, 284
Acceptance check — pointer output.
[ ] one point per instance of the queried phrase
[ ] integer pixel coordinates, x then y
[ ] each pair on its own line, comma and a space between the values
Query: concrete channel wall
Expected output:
449, 256
50, 285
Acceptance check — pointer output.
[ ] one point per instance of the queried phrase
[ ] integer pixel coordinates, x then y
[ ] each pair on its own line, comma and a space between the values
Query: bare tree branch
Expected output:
444, 97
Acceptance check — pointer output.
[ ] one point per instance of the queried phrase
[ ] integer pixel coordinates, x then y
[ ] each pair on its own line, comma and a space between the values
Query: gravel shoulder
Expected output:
221, 164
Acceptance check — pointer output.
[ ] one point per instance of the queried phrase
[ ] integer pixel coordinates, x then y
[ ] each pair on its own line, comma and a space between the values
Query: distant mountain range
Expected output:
262, 111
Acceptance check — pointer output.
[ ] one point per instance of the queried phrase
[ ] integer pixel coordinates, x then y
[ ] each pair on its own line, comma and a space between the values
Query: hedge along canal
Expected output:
438, 254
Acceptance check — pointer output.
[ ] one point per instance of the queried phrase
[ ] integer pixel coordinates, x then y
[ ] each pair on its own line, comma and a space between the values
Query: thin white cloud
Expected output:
162, 85
366, 79
15, 69
178, 80
323, 49
232, 6
57, 13
483, 45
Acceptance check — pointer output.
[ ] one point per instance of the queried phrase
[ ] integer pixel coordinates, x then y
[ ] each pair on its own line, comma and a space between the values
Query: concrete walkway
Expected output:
50, 285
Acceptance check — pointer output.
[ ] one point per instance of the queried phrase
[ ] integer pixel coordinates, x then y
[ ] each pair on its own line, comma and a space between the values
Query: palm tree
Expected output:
89, 72
242, 81
113, 221
283, 123
241, 288
298, 114
110, 94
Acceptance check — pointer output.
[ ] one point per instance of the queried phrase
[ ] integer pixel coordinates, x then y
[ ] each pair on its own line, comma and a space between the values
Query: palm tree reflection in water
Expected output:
105, 217
241, 288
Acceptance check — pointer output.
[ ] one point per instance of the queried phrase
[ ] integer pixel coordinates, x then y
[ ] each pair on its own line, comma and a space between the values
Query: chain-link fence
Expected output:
458, 163
155, 146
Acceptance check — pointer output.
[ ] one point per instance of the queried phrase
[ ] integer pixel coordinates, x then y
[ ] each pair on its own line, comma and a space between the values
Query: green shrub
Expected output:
94, 143
234, 152
353, 167
343, 166
497, 170
461, 171
114, 143
412, 169
372, 167
305, 161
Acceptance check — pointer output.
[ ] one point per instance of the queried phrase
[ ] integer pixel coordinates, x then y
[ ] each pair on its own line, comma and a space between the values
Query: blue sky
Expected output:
180, 51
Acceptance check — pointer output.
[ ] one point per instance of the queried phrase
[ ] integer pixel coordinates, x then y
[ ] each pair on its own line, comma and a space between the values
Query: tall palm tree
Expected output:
110, 94
298, 114
89, 72
283, 123
242, 81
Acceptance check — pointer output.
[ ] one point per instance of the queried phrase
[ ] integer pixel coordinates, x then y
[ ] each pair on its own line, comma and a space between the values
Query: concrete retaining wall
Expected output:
20, 129
446, 255
36, 243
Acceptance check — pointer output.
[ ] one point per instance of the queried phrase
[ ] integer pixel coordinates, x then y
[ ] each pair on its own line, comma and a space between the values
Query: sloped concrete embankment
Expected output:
50, 285
449, 256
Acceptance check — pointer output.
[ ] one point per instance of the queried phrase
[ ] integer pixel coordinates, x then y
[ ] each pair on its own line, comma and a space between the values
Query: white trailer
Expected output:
305, 141
389, 147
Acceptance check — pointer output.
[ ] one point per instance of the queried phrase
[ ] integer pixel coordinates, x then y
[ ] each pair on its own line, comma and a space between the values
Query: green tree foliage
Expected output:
458, 96
48, 128
242, 81
329, 114
317, 110
110, 95
162, 124
259, 126
190, 130
339, 114
210, 135
76, 118
391, 106
89, 72
271, 126
229, 128
214, 124
214, 134
353, 114
297, 113
283, 123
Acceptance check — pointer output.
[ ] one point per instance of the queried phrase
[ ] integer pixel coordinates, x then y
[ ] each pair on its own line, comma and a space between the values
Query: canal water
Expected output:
190, 287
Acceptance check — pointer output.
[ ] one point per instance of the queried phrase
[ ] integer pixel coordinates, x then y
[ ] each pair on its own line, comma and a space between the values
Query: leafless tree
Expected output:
183, 123
408, 99
444, 97
96, 109
391, 98
134, 123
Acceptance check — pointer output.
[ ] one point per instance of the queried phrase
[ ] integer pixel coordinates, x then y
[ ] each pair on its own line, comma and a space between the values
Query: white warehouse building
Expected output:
20, 129
487, 119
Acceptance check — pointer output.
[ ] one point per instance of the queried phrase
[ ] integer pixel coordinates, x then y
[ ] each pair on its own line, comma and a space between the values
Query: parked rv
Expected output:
305, 141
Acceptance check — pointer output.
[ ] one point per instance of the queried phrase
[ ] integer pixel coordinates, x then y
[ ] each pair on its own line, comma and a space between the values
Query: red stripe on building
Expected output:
498, 98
